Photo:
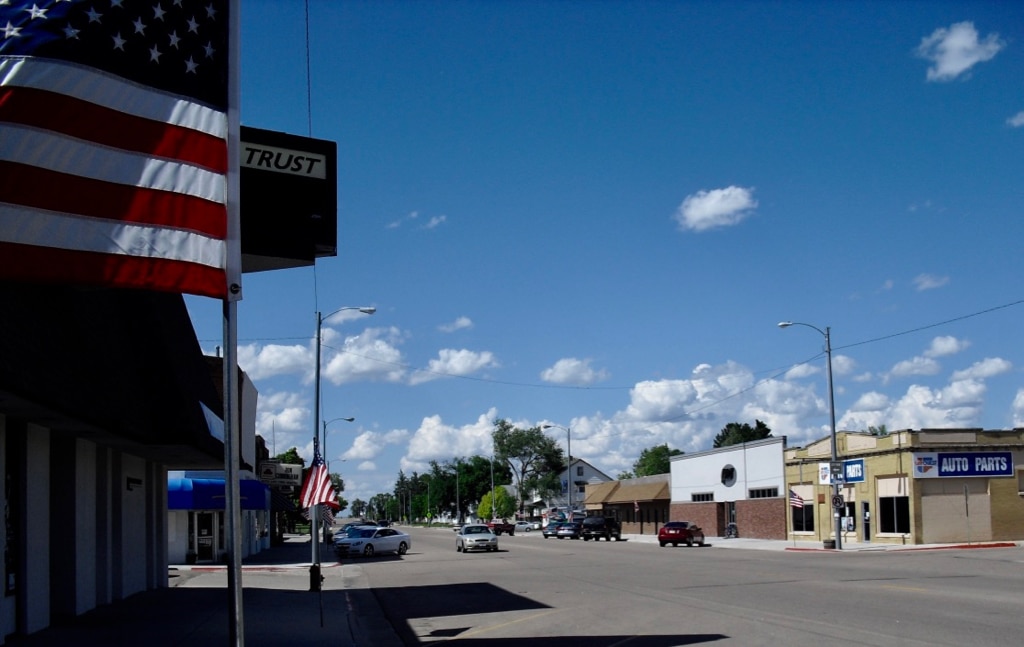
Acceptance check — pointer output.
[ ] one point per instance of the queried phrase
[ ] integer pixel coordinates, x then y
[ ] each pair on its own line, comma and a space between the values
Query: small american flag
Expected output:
114, 163
317, 488
795, 500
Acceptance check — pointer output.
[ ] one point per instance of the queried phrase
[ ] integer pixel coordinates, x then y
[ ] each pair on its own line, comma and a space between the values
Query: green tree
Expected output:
735, 434
880, 430
534, 459
655, 460
496, 504
358, 508
625, 475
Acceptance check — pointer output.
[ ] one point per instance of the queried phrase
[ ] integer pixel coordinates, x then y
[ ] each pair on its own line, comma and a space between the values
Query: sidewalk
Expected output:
278, 608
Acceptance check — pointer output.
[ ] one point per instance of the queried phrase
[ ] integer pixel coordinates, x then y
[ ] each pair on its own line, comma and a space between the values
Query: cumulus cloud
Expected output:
459, 324
369, 444
451, 362
1018, 409
924, 282
946, 345
953, 51
915, 366
262, 362
716, 208
570, 370
436, 441
986, 368
372, 355
1017, 120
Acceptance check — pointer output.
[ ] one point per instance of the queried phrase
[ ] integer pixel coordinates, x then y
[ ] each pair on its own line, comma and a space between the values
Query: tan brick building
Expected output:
912, 487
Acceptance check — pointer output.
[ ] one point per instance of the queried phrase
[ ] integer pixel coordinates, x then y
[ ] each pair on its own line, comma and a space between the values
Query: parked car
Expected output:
527, 526
371, 540
597, 527
550, 530
569, 530
680, 532
475, 536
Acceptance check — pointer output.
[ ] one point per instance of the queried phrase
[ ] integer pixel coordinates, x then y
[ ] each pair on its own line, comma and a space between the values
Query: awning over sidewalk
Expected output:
208, 494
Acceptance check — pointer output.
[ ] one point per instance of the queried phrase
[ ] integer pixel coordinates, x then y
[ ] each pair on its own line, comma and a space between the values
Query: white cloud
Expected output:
435, 222
929, 282
459, 324
369, 444
802, 370
272, 360
372, 355
986, 368
435, 440
1017, 120
946, 345
452, 362
955, 50
1018, 408
915, 366
716, 208
570, 370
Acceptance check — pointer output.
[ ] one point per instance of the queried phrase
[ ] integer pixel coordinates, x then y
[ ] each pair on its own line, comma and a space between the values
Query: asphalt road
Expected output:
631, 594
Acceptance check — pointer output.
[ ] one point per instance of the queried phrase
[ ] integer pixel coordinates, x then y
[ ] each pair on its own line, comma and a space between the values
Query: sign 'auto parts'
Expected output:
930, 465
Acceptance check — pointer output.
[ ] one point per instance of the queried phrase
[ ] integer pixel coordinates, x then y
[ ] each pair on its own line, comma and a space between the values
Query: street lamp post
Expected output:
315, 582
832, 420
568, 451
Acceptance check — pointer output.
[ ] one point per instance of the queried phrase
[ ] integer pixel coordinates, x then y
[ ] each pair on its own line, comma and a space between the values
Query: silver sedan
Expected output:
475, 537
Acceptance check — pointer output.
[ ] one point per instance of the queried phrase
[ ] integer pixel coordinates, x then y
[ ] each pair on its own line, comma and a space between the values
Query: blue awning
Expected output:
208, 494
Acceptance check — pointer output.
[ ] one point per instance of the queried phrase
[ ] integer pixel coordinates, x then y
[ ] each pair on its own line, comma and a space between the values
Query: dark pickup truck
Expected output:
597, 527
501, 527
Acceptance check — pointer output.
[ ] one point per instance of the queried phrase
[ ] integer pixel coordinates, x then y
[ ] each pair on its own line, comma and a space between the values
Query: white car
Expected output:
371, 540
527, 526
475, 536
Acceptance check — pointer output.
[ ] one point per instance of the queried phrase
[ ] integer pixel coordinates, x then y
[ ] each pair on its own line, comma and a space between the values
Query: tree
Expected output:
534, 459
358, 508
655, 460
504, 506
623, 476
878, 431
735, 434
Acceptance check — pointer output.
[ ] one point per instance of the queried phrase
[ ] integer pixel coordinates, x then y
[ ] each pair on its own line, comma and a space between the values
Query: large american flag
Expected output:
114, 131
795, 500
317, 488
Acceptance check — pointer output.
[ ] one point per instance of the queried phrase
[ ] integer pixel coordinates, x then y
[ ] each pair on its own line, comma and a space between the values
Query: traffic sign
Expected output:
837, 502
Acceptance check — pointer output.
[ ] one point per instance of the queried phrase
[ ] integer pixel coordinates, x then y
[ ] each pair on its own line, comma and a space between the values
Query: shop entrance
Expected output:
865, 514
204, 537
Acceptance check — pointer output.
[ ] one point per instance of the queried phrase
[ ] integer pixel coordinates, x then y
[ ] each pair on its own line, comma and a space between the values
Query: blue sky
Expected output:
594, 214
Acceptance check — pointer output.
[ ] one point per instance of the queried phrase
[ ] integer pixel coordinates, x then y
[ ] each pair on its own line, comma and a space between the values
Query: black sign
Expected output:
289, 200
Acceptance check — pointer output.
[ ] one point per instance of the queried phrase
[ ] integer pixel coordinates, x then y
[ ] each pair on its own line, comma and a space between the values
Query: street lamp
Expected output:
324, 442
315, 581
832, 418
568, 450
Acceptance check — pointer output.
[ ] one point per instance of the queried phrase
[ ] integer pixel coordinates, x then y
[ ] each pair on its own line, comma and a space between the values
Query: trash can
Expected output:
830, 544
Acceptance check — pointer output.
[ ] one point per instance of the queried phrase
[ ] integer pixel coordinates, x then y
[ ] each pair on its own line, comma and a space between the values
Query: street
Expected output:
575, 593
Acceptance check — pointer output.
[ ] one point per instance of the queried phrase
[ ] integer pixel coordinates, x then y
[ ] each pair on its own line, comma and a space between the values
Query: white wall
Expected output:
758, 464
133, 521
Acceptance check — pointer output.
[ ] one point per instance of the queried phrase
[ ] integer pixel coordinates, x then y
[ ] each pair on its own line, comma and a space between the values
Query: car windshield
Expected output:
678, 524
474, 530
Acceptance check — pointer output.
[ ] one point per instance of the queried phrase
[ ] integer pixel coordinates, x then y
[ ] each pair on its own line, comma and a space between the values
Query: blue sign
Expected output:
853, 471
962, 464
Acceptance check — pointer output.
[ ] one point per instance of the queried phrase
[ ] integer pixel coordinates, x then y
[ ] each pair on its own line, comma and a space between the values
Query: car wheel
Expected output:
586, 539
368, 551
458, 548
529, 529
689, 541
662, 543
701, 542
403, 548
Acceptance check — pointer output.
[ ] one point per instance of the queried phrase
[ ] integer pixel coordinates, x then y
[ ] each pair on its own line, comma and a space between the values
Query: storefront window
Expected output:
803, 519
894, 514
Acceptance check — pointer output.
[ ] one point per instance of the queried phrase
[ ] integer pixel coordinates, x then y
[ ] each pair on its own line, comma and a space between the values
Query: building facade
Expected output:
743, 484
930, 486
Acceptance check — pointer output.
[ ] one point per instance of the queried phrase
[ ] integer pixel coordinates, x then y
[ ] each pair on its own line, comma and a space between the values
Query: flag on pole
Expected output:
317, 487
795, 500
114, 166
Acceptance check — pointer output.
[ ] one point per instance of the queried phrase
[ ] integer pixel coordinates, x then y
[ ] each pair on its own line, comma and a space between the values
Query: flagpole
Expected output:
233, 275
315, 579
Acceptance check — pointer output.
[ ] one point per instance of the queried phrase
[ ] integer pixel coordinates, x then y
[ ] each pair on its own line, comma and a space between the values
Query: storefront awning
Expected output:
208, 494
